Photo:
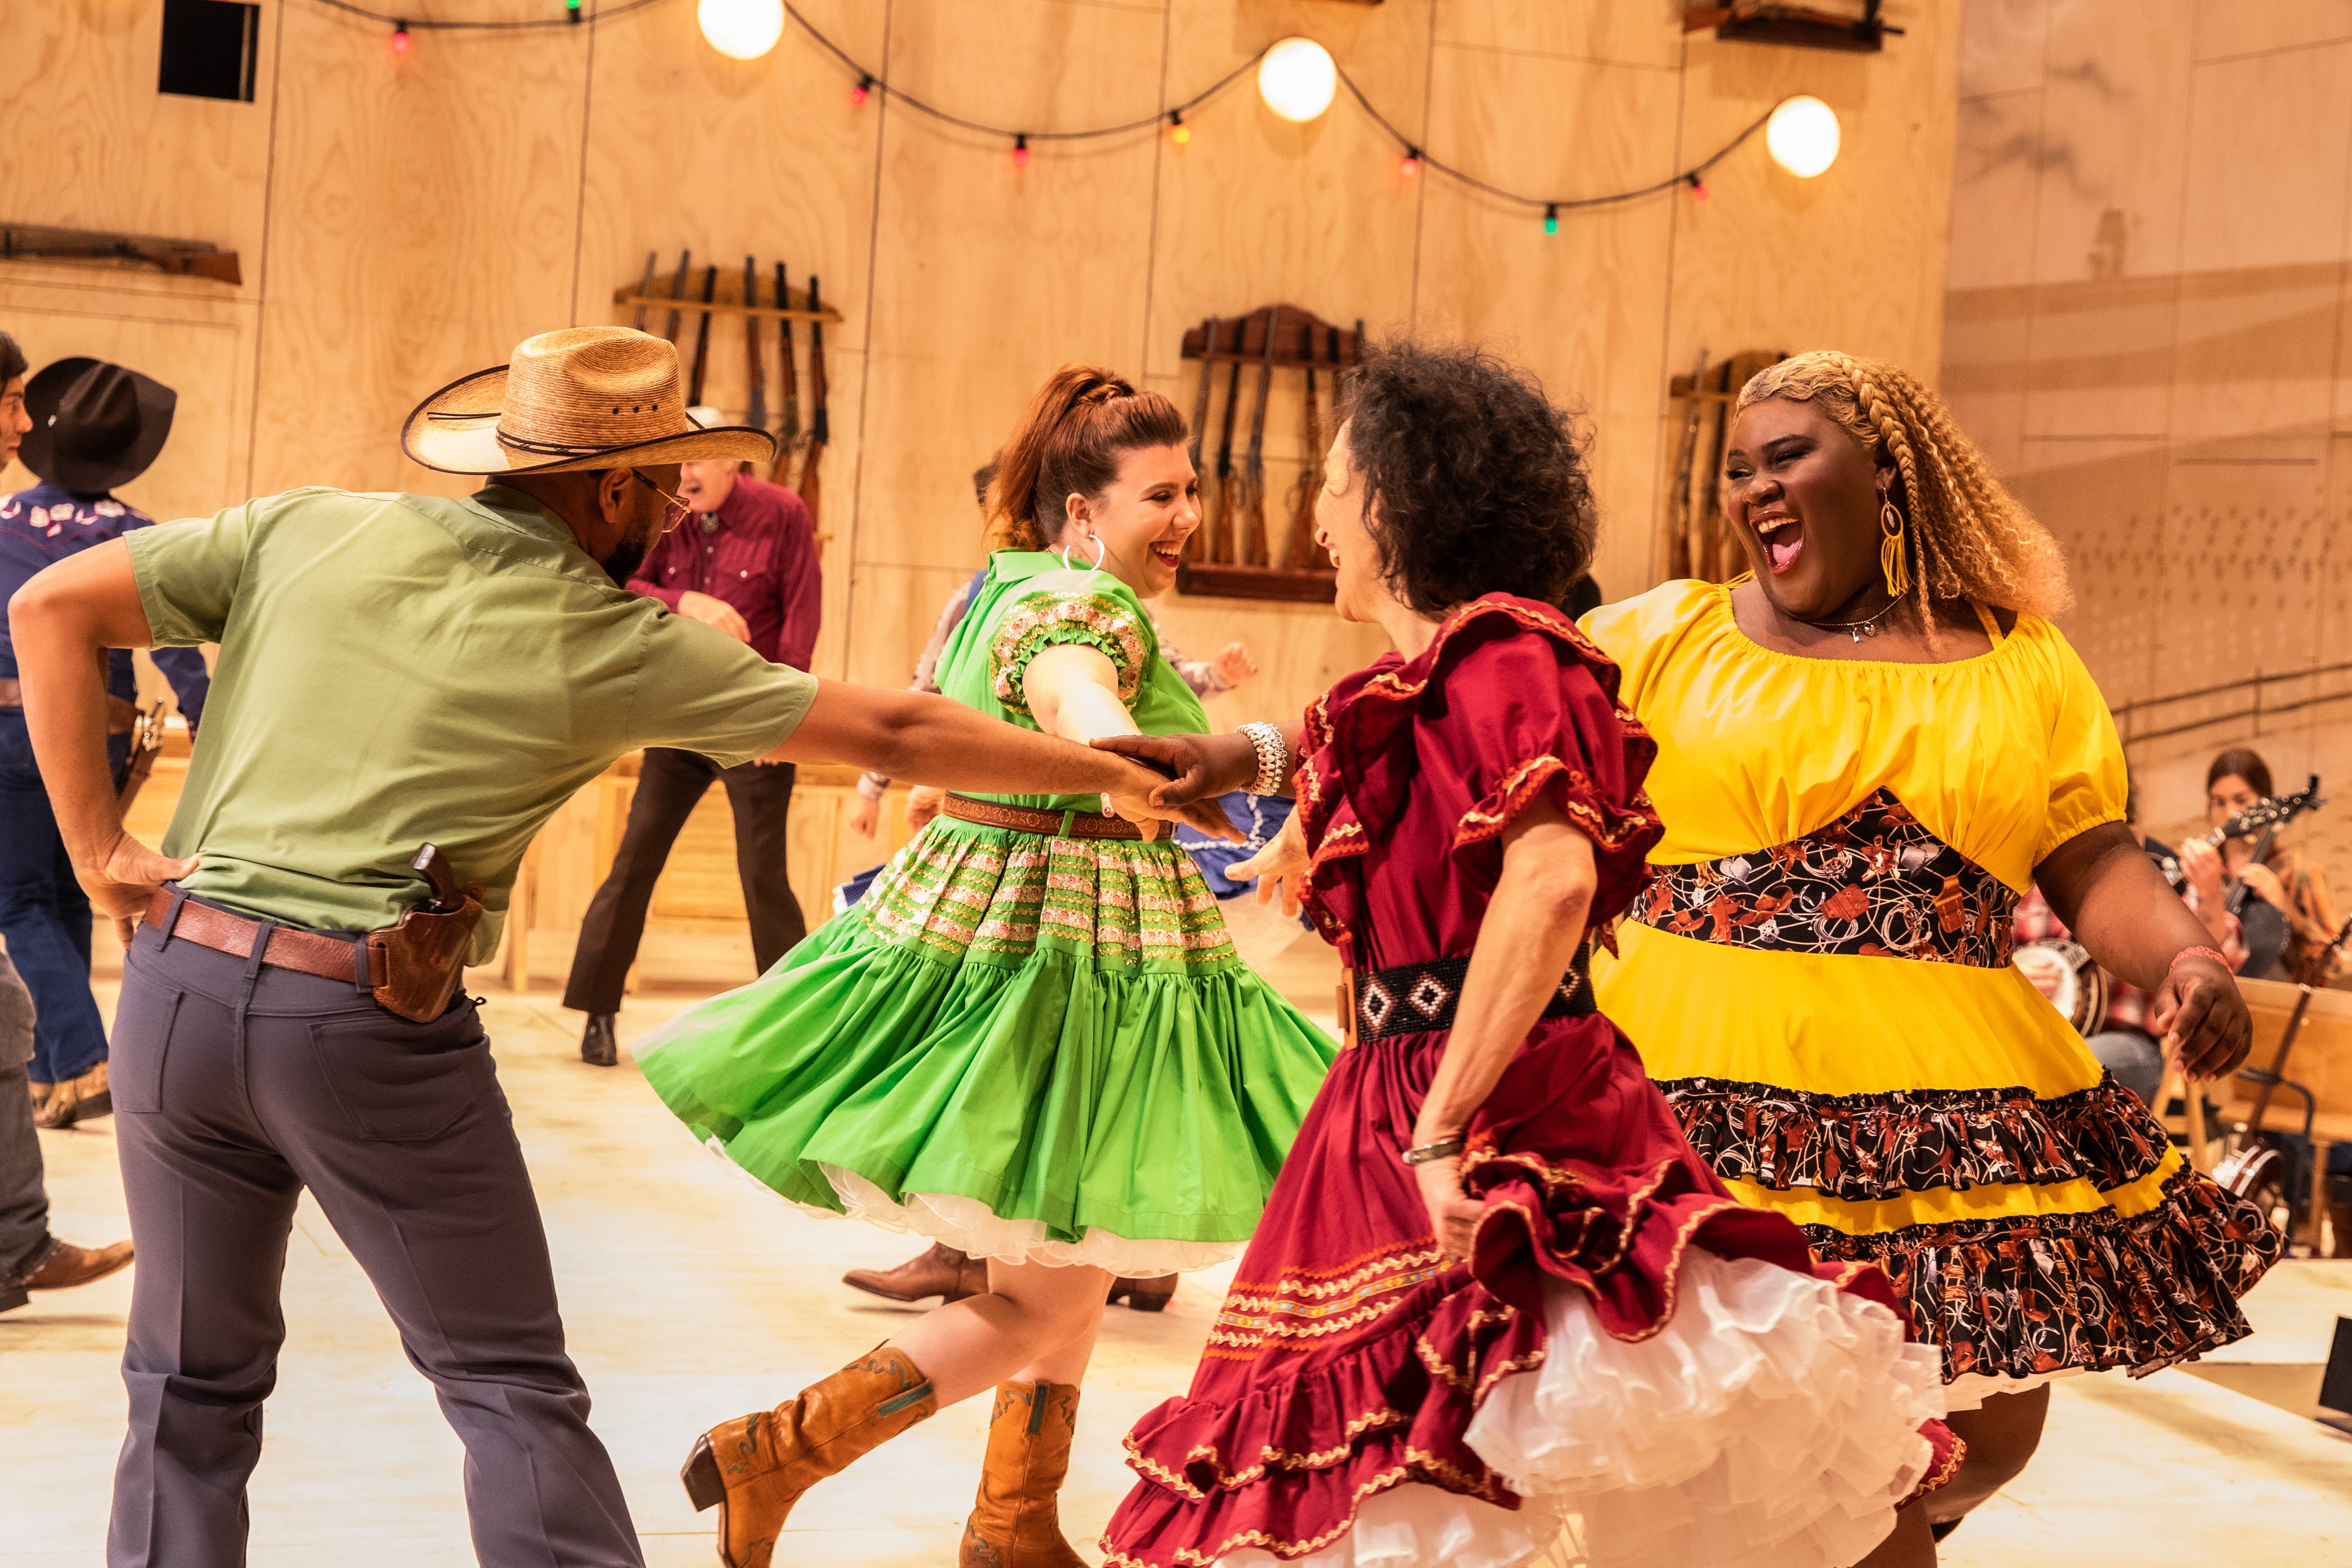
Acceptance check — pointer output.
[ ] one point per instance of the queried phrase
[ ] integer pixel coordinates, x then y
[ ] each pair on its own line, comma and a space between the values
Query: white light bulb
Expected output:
741, 30
1297, 79
1802, 136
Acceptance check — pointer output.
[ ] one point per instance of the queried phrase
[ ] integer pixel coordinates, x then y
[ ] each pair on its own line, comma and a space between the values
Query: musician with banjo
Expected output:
2276, 897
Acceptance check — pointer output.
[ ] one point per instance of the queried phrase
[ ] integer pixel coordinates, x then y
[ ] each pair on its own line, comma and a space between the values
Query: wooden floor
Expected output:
692, 1295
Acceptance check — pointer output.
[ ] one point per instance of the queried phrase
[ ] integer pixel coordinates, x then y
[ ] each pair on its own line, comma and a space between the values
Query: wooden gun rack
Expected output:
1233, 557
727, 301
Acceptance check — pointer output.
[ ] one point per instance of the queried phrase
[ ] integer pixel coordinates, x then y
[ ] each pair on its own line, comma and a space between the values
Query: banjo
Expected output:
2264, 816
2063, 971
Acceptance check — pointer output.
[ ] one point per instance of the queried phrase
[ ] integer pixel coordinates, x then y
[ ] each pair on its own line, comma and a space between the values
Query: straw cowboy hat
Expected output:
95, 426
585, 397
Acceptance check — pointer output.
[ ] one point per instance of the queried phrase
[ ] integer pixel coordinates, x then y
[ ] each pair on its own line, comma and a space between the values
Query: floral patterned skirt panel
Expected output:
1843, 1039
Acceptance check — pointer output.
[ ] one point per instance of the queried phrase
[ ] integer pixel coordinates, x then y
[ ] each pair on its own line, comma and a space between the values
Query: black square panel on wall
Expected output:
209, 49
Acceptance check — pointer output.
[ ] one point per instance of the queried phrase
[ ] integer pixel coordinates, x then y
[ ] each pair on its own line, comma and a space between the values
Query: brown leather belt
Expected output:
305, 952
1052, 823
121, 716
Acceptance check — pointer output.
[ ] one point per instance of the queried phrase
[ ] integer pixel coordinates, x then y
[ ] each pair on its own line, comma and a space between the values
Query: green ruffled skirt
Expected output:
1035, 1049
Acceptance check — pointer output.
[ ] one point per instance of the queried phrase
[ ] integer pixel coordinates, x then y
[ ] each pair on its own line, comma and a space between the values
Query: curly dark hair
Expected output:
1474, 483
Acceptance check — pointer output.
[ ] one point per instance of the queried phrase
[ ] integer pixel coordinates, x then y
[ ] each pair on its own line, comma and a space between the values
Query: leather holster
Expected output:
423, 958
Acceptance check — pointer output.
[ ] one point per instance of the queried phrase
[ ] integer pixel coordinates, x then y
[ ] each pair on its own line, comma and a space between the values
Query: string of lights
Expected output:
1296, 77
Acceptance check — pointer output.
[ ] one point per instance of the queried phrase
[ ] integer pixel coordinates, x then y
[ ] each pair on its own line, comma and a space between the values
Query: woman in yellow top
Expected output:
1869, 747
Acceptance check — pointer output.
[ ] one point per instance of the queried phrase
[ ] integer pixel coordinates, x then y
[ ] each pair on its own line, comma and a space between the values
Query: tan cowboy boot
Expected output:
755, 1468
1016, 1522
83, 1099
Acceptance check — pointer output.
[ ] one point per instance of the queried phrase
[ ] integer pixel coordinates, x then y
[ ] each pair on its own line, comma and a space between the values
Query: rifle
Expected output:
181, 258
645, 288
819, 426
1226, 480
678, 291
790, 375
759, 412
146, 745
702, 337
1298, 550
1253, 544
1200, 398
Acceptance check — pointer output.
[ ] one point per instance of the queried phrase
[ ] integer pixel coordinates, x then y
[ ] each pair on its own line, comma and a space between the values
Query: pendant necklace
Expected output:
1858, 630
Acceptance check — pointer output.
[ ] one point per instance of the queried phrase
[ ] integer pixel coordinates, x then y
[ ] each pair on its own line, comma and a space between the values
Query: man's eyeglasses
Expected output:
678, 507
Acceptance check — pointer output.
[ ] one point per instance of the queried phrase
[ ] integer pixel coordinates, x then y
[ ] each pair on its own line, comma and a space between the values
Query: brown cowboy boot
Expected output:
83, 1099
755, 1468
942, 1271
1149, 1294
1016, 1522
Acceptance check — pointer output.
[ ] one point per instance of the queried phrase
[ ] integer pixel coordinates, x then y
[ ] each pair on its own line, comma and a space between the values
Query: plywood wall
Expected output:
404, 220
2151, 266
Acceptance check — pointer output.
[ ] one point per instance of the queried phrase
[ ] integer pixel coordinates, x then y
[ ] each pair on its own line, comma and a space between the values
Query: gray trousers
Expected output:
235, 1087
24, 1200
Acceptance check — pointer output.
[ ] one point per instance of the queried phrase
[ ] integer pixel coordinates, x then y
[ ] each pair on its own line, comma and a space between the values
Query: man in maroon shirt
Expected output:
744, 563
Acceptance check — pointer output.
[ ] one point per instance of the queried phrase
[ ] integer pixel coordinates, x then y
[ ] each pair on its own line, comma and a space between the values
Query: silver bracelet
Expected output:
1445, 1148
1272, 758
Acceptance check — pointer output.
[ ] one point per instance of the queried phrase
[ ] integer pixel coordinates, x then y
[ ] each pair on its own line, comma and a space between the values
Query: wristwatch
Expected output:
1273, 765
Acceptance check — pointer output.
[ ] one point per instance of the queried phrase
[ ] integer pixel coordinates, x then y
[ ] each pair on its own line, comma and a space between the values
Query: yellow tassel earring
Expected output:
1892, 557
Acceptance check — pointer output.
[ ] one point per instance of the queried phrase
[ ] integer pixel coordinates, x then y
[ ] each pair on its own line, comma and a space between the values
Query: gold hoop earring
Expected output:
1894, 562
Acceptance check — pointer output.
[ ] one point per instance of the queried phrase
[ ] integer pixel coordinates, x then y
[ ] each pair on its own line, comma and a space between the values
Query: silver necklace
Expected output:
1858, 630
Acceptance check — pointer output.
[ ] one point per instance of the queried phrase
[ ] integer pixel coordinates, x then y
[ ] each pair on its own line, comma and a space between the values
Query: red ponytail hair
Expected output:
1069, 442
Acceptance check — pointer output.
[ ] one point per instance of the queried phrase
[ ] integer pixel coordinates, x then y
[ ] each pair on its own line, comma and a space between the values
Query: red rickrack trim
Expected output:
1950, 1451
1580, 800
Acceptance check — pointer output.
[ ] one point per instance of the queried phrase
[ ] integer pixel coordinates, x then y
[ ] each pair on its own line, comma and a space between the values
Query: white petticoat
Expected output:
1971, 1389
1773, 1422
968, 1225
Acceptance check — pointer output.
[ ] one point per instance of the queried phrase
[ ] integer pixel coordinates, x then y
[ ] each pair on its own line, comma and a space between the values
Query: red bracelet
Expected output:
2194, 953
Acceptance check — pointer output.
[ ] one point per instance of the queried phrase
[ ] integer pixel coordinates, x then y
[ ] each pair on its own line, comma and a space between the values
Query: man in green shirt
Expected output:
396, 669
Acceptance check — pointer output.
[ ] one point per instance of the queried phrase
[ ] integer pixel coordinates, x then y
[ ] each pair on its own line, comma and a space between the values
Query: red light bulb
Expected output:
858, 94
1021, 152
400, 39
1410, 166
1699, 192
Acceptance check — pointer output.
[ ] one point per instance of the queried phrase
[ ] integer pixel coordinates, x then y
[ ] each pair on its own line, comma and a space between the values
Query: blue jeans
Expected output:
44, 916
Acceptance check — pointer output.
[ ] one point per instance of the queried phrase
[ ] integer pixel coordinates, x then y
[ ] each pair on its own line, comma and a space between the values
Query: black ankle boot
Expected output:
597, 1047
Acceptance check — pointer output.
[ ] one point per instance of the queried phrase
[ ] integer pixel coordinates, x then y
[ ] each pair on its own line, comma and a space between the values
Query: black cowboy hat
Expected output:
95, 425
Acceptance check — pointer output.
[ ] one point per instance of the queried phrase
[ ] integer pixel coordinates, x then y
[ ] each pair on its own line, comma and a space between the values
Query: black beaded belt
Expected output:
1415, 998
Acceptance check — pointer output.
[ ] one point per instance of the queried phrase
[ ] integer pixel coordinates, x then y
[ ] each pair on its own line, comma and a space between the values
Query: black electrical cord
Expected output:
868, 82
428, 25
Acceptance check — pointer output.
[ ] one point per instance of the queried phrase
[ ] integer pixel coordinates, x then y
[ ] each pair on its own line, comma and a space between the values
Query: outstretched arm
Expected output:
2119, 907
62, 623
931, 740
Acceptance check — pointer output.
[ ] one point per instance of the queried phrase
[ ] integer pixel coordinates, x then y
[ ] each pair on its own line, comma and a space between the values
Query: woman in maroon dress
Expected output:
1495, 1295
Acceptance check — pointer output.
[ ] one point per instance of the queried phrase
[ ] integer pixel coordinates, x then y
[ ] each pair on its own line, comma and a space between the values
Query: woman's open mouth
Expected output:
1168, 552
1783, 539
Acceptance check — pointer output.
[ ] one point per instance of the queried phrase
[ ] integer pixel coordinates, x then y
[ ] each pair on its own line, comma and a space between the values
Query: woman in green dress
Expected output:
1032, 1039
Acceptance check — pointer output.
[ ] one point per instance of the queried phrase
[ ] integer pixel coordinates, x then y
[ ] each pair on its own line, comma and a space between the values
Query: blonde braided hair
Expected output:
1971, 538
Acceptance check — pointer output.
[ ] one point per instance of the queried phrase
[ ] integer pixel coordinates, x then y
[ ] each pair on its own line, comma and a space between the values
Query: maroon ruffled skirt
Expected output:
1630, 1354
